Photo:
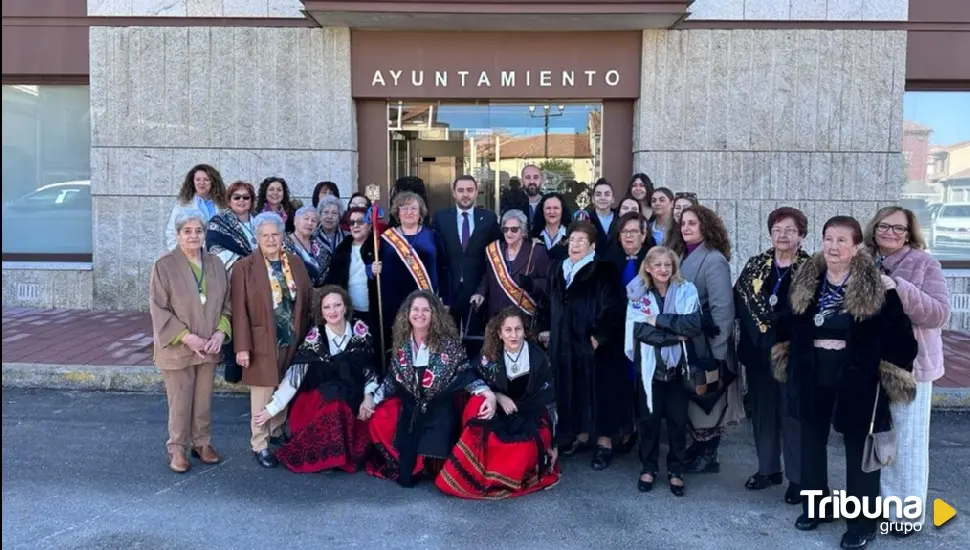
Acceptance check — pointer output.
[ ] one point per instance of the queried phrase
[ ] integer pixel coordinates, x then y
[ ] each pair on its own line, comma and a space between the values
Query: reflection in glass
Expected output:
46, 170
936, 148
493, 142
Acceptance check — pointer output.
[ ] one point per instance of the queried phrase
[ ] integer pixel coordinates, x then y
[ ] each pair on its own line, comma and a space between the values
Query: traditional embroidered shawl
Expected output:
225, 232
753, 277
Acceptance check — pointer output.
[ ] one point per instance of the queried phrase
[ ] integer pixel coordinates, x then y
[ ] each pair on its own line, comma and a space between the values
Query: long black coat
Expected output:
589, 383
881, 345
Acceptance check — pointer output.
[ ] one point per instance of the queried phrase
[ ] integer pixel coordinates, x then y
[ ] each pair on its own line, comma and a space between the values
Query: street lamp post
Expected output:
546, 114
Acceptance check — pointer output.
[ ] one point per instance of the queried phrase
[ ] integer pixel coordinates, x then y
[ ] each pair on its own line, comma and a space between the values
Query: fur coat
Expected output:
881, 345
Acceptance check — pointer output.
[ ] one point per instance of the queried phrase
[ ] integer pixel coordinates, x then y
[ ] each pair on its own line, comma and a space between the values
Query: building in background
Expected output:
834, 107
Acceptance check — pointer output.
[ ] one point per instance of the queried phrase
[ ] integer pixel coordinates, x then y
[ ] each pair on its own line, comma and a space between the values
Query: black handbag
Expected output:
231, 370
706, 378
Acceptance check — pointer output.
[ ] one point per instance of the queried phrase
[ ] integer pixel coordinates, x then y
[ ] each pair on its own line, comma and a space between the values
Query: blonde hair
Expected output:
652, 255
914, 237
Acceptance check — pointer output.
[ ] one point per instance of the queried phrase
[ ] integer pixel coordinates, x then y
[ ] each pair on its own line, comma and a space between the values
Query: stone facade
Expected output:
800, 10
252, 102
47, 286
196, 8
756, 119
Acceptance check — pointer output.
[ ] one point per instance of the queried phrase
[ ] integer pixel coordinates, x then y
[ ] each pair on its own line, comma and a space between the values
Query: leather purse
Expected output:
879, 449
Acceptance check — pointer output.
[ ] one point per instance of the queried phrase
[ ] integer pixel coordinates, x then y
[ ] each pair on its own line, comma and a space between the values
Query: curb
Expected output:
146, 378
141, 378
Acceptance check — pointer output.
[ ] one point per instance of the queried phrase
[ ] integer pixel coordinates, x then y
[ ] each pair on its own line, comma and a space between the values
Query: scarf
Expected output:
226, 232
553, 240
681, 299
281, 212
570, 268
752, 279
274, 284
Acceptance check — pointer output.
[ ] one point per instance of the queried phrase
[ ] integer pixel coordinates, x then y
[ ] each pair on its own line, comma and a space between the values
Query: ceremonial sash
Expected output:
518, 296
409, 256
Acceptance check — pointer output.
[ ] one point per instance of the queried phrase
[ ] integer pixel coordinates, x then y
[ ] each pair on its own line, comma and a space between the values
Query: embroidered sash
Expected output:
409, 256
518, 296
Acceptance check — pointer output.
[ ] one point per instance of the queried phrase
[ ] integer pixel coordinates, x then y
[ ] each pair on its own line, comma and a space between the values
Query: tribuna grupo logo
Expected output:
839, 505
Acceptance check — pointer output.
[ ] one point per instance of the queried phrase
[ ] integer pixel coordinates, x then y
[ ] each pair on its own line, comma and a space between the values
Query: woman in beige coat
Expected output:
271, 304
189, 305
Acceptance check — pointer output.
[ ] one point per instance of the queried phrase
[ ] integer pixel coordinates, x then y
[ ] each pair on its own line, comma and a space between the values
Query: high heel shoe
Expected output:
758, 482
677, 490
626, 444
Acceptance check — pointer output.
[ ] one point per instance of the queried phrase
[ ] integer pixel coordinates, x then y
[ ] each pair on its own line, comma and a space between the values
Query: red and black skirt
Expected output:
505, 457
326, 434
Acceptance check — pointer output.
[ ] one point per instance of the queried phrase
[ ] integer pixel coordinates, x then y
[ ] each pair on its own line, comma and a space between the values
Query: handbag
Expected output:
706, 379
879, 449
231, 370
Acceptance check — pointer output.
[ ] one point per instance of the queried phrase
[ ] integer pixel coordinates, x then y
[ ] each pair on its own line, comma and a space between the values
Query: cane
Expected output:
373, 193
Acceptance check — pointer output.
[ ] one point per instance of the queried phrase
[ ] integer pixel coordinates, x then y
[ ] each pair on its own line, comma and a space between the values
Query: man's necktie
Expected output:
466, 230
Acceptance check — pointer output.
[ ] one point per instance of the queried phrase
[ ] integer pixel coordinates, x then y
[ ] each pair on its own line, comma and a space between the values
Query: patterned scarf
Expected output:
274, 284
752, 279
226, 232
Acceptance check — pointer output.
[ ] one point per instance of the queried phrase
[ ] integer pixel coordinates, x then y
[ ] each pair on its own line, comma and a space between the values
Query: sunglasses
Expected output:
511, 229
241, 198
354, 223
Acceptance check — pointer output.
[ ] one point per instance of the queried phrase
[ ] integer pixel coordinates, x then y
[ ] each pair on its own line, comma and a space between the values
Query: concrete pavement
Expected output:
85, 470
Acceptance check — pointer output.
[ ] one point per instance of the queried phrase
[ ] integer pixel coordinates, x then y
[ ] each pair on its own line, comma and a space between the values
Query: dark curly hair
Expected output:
442, 326
539, 221
493, 346
714, 233
286, 204
217, 191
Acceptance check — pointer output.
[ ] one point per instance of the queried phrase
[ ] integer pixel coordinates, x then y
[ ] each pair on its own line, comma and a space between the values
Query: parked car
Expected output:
53, 219
951, 226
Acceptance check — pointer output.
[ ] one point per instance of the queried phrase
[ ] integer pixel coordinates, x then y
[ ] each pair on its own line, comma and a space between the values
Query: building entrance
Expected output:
438, 141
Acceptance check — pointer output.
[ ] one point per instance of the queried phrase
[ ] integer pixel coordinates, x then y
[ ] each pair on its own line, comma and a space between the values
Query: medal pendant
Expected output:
202, 299
515, 368
773, 300
819, 320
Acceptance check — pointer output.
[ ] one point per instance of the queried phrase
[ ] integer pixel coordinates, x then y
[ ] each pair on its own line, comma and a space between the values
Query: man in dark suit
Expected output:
466, 230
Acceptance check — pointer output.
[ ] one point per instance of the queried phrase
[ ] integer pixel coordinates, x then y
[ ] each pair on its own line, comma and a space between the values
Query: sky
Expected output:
947, 113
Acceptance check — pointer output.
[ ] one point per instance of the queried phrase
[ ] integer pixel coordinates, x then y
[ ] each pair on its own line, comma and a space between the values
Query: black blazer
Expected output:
466, 267
339, 273
605, 236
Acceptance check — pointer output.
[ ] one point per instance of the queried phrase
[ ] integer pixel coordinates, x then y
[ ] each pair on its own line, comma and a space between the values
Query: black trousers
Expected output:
815, 436
669, 403
776, 433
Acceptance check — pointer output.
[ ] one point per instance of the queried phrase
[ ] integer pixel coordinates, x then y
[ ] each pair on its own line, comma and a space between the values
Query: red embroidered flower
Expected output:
444, 358
427, 379
360, 329
401, 359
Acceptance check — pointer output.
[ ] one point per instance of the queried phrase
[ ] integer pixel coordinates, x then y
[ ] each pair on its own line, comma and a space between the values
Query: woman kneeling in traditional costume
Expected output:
333, 379
416, 417
512, 453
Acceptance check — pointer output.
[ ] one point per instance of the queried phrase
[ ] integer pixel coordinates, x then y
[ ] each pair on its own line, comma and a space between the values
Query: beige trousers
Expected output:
259, 397
189, 392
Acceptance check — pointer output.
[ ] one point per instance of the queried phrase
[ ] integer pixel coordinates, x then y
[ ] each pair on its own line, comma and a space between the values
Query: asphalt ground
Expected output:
86, 470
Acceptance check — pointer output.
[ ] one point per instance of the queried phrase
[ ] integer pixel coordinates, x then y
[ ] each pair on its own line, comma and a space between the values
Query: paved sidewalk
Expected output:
112, 350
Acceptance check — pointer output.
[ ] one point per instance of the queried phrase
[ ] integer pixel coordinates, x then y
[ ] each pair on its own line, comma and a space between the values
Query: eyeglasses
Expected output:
578, 240
897, 229
512, 229
630, 232
788, 232
242, 198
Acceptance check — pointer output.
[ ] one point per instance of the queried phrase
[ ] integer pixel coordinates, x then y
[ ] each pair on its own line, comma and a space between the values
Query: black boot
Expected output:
706, 462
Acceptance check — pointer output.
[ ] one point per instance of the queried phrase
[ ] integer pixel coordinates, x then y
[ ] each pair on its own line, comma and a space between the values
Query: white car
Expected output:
951, 226
53, 219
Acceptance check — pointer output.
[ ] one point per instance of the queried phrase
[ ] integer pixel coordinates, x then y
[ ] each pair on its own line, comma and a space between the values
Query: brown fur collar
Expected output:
864, 294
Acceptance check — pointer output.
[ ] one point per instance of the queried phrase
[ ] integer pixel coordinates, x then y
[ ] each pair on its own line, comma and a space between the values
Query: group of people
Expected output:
478, 350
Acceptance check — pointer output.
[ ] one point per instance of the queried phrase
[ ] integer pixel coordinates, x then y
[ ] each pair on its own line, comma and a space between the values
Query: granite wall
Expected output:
756, 119
253, 102
196, 8
801, 10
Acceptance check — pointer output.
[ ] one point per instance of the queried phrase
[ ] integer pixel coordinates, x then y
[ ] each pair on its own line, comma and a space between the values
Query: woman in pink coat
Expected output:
895, 240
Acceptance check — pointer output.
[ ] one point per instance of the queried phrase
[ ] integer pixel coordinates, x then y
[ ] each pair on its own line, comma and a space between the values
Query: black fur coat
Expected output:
881, 343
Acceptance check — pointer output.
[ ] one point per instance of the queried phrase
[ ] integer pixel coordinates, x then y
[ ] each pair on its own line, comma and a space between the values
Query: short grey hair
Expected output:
516, 214
269, 217
186, 215
304, 210
328, 201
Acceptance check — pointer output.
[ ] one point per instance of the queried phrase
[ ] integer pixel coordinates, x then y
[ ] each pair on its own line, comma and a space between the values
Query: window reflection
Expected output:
936, 148
494, 142
46, 170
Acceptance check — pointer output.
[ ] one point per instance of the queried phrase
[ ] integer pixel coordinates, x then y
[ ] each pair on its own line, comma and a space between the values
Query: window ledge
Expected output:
48, 266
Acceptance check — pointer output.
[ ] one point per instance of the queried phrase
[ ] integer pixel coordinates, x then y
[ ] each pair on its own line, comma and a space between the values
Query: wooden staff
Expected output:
373, 193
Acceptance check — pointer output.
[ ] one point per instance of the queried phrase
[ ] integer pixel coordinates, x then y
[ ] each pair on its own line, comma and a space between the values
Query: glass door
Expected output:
439, 141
